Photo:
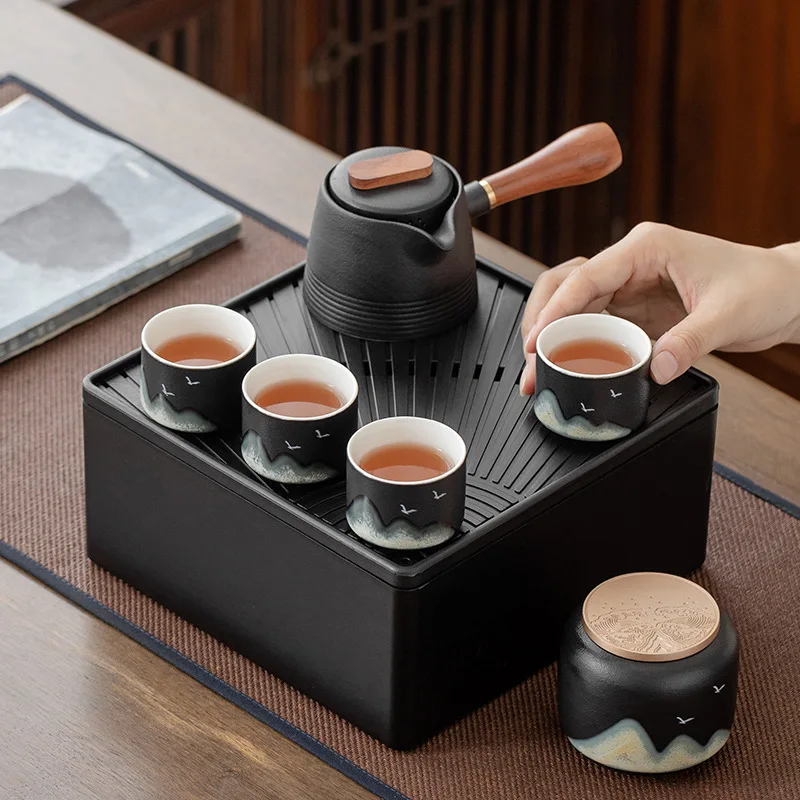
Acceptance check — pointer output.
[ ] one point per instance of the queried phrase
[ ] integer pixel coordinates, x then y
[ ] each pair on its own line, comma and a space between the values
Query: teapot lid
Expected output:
421, 202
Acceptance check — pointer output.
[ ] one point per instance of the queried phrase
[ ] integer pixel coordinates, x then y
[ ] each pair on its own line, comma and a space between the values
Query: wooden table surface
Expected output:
84, 711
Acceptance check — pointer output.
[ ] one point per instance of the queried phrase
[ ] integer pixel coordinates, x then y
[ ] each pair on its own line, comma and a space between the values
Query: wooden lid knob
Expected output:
372, 173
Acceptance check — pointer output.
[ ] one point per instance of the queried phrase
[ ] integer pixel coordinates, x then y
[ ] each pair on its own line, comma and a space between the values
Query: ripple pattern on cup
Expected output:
283, 468
626, 745
160, 411
365, 521
549, 413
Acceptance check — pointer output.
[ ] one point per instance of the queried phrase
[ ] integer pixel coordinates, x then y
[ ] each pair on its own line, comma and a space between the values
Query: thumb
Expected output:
693, 337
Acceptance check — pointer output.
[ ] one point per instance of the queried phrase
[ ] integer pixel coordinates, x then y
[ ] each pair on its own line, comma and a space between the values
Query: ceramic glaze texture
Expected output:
406, 515
157, 406
649, 715
549, 413
283, 468
298, 449
628, 747
399, 534
389, 280
592, 408
194, 399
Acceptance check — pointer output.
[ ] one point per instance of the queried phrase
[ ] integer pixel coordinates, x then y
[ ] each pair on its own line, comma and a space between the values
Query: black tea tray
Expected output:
400, 643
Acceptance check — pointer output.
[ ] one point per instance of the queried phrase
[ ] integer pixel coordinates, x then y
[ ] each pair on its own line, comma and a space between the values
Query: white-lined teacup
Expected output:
190, 398
588, 407
406, 515
294, 449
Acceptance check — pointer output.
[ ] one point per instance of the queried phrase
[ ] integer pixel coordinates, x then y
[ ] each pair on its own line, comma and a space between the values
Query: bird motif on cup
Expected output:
293, 447
718, 689
585, 410
166, 393
407, 511
321, 435
191, 382
437, 495
684, 721
616, 394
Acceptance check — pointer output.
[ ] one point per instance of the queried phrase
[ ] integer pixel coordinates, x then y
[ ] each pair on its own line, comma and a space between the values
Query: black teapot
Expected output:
391, 255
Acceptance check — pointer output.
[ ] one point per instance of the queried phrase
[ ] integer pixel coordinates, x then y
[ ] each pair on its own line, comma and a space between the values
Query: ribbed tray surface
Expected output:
466, 377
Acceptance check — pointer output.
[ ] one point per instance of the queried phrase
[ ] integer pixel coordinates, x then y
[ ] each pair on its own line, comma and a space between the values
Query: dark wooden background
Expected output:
704, 95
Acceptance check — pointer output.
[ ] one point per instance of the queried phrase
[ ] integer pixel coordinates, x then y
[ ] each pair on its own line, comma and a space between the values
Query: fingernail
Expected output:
664, 367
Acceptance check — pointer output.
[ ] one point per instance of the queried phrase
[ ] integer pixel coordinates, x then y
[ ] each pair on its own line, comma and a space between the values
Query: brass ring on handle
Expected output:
487, 187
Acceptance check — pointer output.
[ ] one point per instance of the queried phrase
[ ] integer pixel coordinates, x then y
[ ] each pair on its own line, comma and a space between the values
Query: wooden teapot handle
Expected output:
582, 155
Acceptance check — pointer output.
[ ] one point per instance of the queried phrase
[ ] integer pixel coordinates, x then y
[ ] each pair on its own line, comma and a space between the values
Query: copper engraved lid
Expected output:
650, 616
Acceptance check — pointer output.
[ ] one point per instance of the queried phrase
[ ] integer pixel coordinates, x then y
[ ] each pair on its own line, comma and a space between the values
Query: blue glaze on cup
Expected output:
592, 408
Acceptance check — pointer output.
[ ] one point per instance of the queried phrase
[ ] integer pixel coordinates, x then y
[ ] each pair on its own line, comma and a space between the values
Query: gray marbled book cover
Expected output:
86, 220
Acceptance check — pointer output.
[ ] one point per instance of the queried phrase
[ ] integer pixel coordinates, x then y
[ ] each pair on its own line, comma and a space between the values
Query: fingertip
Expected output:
664, 367
529, 345
694, 336
527, 382
546, 316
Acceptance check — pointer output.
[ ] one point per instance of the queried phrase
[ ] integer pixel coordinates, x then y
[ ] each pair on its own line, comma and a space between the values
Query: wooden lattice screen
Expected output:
480, 82
484, 82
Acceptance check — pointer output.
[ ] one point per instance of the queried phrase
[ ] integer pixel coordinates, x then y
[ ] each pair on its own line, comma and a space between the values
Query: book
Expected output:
86, 220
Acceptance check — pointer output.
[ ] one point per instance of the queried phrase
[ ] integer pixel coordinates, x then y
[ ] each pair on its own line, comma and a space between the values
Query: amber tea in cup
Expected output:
405, 462
198, 350
299, 398
592, 357
193, 360
406, 482
299, 410
592, 381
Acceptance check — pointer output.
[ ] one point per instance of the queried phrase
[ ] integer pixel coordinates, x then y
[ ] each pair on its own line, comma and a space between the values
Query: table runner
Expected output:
511, 748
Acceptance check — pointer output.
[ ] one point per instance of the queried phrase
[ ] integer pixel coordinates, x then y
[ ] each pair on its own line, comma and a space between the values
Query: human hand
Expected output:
691, 292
